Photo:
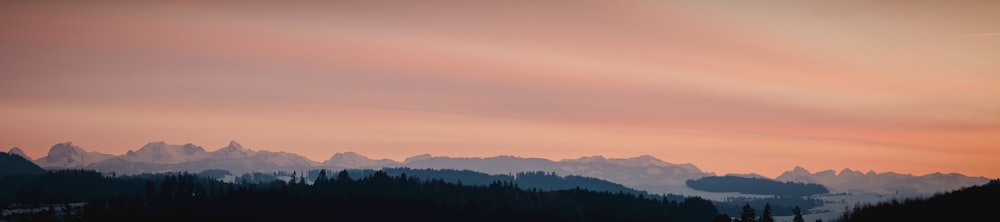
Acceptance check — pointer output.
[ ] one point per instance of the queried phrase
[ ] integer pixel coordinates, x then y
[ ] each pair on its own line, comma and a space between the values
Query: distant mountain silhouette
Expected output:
163, 153
13, 164
889, 182
161, 157
66, 155
642, 172
17, 151
352, 160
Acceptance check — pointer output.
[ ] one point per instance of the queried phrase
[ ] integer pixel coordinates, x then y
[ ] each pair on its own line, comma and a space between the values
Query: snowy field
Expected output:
834, 204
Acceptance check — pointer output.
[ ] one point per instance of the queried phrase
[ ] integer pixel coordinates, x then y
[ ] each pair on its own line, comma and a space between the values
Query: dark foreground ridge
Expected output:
377, 197
12, 164
976, 203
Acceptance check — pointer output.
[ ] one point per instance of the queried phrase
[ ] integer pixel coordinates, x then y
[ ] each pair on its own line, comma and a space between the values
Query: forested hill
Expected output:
977, 203
755, 186
11, 164
378, 197
526, 180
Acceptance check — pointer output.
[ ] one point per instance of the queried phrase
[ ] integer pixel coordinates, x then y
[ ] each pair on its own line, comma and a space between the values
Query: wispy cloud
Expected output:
540, 79
992, 34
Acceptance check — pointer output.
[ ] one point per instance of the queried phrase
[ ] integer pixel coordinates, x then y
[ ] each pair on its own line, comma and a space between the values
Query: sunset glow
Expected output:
740, 87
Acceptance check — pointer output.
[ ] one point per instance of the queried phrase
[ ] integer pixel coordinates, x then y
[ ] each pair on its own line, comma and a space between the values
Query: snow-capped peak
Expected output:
417, 158
355, 160
639, 161
66, 155
17, 151
234, 146
588, 159
800, 170
233, 150
644, 160
163, 153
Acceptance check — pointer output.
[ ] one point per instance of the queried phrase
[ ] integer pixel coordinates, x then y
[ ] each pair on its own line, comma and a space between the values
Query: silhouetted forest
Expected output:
780, 206
67, 186
977, 203
376, 197
525, 180
13, 170
755, 186
11, 164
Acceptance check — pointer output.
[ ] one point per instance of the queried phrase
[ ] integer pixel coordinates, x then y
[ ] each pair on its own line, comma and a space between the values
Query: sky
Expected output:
730, 86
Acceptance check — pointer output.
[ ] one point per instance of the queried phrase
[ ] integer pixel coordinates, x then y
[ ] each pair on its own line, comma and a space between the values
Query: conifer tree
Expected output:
749, 214
766, 216
321, 179
343, 176
798, 215
722, 218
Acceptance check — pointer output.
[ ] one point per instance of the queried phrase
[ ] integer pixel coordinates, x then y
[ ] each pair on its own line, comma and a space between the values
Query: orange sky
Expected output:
733, 87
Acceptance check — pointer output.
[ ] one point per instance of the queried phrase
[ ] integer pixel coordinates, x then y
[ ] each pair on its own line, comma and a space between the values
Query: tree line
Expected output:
976, 203
338, 196
749, 214
755, 186
780, 206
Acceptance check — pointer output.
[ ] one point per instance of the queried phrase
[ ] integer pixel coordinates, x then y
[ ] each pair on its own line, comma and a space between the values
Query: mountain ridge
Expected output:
67, 155
354, 160
17, 151
848, 180
161, 152
14, 164
642, 172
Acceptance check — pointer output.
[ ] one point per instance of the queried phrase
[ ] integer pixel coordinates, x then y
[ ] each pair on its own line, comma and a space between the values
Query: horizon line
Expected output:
836, 172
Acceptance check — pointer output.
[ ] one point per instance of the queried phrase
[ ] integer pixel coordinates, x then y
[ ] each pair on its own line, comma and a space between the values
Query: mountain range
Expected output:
67, 155
643, 172
853, 181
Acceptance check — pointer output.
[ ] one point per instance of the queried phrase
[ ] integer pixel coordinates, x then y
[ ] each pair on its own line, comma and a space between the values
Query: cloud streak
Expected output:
983, 35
